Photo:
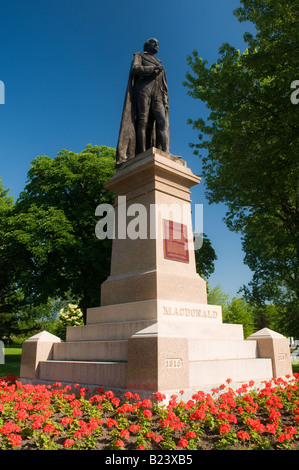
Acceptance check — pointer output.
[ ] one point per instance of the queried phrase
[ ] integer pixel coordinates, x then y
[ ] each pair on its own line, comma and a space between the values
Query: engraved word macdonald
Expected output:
190, 312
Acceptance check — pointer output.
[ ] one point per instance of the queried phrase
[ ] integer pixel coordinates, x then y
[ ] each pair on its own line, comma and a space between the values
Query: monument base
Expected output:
154, 330
155, 346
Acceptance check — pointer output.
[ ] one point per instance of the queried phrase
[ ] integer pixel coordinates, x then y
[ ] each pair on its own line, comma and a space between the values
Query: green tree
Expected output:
51, 231
32, 319
250, 141
239, 311
235, 310
10, 295
217, 297
205, 258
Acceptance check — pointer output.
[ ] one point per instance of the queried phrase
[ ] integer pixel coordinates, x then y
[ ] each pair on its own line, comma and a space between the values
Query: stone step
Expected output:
105, 331
202, 350
238, 370
91, 351
109, 374
156, 310
193, 330
131, 311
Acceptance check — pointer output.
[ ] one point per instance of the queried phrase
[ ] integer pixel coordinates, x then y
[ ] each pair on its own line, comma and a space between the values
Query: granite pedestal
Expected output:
154, 330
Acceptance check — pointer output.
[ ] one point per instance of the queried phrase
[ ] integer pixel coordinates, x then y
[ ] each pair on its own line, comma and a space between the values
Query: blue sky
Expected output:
65, 66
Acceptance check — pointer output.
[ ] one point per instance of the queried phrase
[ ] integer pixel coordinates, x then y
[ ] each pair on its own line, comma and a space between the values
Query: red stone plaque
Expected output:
176, 241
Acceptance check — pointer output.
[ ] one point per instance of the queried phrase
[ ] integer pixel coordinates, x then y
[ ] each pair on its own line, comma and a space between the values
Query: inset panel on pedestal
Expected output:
175, 241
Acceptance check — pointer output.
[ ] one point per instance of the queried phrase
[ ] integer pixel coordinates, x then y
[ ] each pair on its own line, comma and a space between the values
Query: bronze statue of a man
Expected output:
145, 118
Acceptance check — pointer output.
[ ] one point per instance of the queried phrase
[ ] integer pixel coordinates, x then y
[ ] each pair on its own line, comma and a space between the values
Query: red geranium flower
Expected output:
232, 418
160, 396
224, 428
77, 412
134, 427
49, 428
68, 442
183, 443
66, 419
243, 435
111, 422
119, 443
147, 414
9, 428
124, 433
190, 435
22, 415
15, 439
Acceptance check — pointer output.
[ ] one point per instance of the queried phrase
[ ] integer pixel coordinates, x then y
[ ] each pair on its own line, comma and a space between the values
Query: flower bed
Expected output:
54, 417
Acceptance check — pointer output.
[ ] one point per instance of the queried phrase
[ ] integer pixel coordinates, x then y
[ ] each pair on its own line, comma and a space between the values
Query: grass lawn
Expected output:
12, 361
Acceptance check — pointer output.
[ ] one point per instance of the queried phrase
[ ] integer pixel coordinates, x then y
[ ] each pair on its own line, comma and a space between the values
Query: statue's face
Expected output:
152, 46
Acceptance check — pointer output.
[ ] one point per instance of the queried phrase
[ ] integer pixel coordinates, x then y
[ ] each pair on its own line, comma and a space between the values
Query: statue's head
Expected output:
151, 46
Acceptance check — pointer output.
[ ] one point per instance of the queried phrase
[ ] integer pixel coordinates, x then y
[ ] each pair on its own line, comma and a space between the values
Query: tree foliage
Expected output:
10, 296
50, 234
250, 140
239, 311
252, 317
217, 297
205, 258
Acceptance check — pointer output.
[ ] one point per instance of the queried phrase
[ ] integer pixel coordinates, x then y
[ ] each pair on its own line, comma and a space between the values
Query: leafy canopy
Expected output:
248, 144
10, 297
51, 233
